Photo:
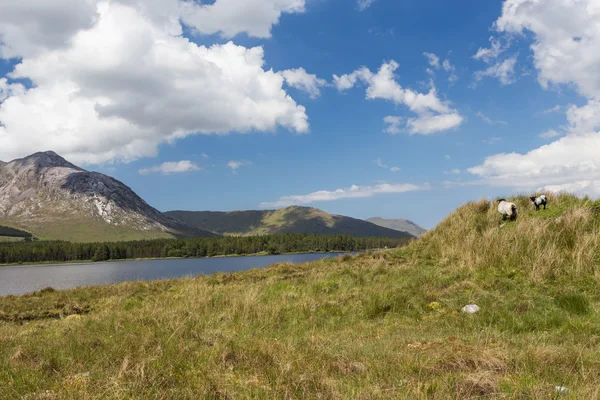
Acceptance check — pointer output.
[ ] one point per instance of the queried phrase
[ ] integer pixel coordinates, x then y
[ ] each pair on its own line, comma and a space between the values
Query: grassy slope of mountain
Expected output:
286, 220
379, 325
54, 199
399, 224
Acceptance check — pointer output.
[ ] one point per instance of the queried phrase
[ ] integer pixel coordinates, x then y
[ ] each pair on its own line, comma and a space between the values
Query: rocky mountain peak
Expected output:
42, 187
39, 161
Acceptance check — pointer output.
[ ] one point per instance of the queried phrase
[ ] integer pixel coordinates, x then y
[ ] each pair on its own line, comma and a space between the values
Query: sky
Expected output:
397, 109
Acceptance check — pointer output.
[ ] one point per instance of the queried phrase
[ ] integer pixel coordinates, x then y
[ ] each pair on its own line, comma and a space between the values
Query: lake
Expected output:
21, 279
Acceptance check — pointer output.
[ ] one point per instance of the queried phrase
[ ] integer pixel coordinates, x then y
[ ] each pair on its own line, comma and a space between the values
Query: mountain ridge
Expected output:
399, 224
293, 219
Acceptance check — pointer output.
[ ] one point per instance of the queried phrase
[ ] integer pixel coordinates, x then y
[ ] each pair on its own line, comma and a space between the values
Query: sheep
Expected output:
507, 209
537, 202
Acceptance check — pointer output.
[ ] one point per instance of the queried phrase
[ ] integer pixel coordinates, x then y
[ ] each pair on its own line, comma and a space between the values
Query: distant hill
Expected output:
54, 199
286, 220
399, 224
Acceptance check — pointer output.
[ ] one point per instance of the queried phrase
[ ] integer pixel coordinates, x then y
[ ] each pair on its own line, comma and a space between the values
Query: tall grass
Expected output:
383, 325
563, 240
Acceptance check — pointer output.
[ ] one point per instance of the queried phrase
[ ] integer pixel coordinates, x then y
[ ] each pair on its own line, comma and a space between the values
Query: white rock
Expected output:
561, 389
470, 308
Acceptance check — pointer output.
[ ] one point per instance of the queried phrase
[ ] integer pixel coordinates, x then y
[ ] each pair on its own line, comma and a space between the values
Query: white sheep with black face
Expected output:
507, 209
539, 201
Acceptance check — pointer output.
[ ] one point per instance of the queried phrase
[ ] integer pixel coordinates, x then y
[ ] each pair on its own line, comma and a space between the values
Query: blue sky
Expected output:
125, 101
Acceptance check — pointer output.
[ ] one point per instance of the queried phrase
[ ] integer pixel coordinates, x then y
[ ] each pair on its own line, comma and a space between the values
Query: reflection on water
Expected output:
23, 279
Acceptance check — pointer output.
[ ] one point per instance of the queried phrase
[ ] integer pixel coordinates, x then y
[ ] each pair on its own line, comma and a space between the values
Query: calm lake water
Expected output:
28, 278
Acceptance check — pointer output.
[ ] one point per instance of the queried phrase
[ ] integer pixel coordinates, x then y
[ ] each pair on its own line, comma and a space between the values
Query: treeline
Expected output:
12, 232
60, 251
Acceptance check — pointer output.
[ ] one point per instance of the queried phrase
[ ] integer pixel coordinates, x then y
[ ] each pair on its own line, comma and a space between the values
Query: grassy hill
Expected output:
74, 229
379, 325
286, 220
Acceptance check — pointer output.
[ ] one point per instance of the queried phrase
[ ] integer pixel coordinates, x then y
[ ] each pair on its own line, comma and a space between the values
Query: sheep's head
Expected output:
500, 200
532, 198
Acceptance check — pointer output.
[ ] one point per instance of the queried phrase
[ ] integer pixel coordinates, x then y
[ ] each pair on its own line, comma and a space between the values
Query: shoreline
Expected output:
260, 254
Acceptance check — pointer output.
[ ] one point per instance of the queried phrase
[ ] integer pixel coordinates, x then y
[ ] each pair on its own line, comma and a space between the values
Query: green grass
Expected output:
378, 325
73, 229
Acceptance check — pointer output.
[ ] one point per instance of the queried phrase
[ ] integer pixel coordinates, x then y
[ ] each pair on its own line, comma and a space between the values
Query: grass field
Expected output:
381, 325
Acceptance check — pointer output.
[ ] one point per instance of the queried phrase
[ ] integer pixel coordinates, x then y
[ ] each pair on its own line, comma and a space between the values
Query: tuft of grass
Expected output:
575, 303
381, 325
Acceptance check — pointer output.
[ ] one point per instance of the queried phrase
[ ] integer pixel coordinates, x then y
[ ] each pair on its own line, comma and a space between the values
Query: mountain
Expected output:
399, 224
286, 220
54, 199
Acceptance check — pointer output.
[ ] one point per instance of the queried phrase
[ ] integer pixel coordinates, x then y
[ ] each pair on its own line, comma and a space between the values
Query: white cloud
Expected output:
451, 69
351, 192
584, 119
381, 164
235, 165
447, 157
568, 159
433, 60
551, 133
490, 54
503, 71
168, 168
385, 166
433, 114
10, 89
231, 17
364, 4
204, 155
566, 36
393, 124
301, 80
117, 89
28, 27
566, 39
581, 188
427, 124
488, 120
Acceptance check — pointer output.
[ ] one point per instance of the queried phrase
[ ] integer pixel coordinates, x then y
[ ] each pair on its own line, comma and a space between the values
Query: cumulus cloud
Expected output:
565, 37
174, 167
28, 27
231, 17
504, 71
580, 188
433, 60
364, 4
351, 192
235, 165
570, 158
433, 114
584, 119
301, 80
117, 89
489, 54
